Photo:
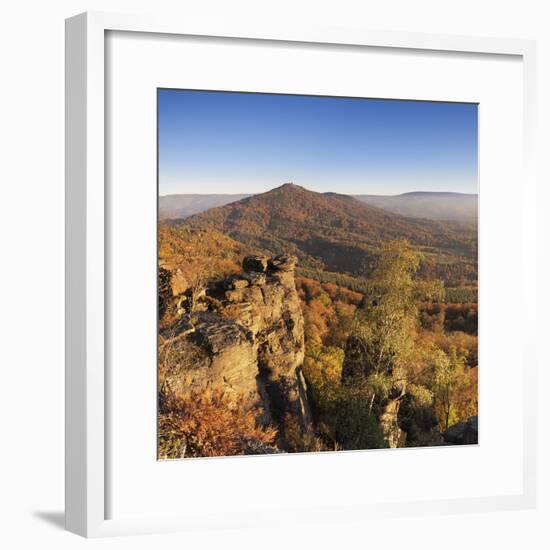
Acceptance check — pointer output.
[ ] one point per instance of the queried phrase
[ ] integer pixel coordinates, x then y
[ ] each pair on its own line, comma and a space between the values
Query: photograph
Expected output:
261, 237
317, 273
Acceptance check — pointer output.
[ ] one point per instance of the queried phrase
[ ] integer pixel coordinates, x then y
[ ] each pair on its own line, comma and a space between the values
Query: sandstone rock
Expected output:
393, 434
251, 342
182, 305
255, 263
234, 295
178, 282
257, 279
256, 447
463, 433
184, 326
245, 313
174, 279
273, 296
237, 282
250, 294
210, 351
283, 262
168, 288
217, 334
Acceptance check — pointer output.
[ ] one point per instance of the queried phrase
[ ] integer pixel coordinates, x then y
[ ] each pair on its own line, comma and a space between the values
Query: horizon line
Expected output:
326, 192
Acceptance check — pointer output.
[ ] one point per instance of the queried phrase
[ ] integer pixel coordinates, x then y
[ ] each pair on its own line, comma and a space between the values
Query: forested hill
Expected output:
432, 205
331, 231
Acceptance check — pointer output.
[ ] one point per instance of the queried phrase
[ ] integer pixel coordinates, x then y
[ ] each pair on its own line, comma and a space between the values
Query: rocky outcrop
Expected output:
255, 447
245, 336
463, 433
388, 419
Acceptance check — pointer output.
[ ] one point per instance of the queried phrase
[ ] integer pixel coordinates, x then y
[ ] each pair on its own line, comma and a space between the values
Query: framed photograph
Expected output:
288, 254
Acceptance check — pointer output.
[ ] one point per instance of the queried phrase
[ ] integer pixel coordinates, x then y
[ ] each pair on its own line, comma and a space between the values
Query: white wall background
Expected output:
32, 271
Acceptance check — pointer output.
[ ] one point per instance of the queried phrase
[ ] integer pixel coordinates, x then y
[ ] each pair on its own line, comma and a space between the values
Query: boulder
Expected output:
283, 262
174, 278
236, 282
184, 326
256, 447
463, 433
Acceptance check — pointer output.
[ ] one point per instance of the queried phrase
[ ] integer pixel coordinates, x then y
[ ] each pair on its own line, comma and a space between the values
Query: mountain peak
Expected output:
288, 186
286, 191
328, 229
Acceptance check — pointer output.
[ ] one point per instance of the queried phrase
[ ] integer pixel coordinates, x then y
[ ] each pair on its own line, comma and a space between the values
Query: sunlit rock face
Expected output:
245, 336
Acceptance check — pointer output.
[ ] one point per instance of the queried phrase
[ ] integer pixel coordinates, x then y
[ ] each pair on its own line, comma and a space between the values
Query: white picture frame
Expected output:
87, 239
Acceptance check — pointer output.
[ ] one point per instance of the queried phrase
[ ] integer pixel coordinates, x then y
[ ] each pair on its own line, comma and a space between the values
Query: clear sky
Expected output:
224, 142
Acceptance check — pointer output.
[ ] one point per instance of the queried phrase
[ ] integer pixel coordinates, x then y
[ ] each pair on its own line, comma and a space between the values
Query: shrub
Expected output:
207, 424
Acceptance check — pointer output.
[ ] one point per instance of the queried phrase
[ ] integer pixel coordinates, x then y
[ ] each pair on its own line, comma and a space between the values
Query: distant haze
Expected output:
421, 204
183, 206
431, 205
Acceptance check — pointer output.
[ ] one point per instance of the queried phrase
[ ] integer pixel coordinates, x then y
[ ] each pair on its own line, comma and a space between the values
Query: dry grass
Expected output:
207, 424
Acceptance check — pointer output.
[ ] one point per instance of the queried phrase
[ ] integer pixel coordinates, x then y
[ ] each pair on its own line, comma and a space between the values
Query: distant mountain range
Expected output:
431, 205
419, 204
330, 231
183, 206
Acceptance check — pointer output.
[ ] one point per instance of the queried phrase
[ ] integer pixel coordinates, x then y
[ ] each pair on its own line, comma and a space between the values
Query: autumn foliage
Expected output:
397, 349
390, 325
207, 424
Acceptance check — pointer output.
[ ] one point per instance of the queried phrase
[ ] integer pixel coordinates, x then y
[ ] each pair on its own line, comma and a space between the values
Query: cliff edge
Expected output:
242, 335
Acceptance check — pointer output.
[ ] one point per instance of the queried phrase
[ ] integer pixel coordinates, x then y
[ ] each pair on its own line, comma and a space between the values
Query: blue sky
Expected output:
224, 142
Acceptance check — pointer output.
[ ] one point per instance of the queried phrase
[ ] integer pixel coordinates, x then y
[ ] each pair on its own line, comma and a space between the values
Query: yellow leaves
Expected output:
421, 395
429, 290
324, 362
323, 371
454, 386
192, 250
397, 262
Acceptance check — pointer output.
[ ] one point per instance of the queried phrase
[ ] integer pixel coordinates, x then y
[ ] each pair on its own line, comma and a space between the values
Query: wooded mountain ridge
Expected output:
418, 204
337, 233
